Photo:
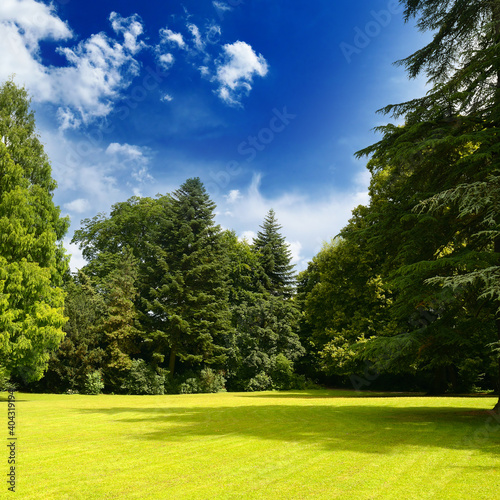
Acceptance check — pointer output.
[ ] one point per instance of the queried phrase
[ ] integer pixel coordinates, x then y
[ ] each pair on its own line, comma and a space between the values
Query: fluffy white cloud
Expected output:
168, 35
167, 98
31, 21
236, 70
233, 196
98, 69
78, 206
166, 60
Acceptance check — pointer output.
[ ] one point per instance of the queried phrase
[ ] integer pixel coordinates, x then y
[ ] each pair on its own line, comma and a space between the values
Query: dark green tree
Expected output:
188, 309
275, 257
120, 323
32, 261
449, 143
264, 344
82, 352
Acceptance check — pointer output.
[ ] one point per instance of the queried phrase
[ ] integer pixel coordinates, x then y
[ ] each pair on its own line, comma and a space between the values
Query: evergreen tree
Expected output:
120, 325
188, 309
81, 353
264, 343
454, 127
32, 261
275, 257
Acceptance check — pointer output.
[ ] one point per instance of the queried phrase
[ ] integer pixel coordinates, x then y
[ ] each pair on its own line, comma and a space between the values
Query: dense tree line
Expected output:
170, 302
407, 296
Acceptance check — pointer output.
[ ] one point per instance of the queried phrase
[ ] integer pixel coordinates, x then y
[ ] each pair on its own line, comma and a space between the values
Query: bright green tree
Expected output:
32, 260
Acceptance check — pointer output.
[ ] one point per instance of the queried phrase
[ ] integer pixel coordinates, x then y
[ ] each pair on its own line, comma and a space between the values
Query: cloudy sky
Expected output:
265, 101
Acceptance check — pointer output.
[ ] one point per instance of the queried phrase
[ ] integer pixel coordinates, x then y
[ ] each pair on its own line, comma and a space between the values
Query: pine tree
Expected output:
32, 260
275, 257
189, 308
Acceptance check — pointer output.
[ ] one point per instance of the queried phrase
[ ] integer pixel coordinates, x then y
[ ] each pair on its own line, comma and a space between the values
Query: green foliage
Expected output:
82, 350
94, 383
275, 257
32, 261
121, 335
188, 307
142, 378
208, 381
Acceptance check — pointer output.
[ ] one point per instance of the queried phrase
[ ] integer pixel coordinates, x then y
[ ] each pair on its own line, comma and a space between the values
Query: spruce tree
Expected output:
32, 260
275, 257
189, 308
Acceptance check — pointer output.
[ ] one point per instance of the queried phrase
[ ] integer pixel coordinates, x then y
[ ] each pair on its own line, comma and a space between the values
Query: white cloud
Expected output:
166, 60
131, 28
98, 69
36, 21
125, 150
233, 196
78, 206
77, 261
306, 222
168, 35
236, 70
167, 98
195, 32
222, 6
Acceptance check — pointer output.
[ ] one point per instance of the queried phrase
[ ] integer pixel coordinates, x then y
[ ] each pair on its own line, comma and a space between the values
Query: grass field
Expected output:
290, 445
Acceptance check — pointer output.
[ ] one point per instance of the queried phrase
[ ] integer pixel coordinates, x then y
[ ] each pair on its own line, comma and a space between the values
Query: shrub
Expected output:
144, 379
207, 381
93, 383
261, 382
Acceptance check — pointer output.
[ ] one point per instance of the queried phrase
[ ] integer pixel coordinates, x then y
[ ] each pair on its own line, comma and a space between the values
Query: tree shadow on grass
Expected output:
366, 429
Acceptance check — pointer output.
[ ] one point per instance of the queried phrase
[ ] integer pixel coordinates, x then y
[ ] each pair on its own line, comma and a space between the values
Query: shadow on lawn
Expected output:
365, 429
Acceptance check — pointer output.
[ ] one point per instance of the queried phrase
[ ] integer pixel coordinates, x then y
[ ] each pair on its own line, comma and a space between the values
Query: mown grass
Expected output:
291, 445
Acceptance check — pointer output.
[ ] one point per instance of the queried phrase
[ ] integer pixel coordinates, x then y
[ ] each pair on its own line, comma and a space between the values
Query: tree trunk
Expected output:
496, 249
171, 364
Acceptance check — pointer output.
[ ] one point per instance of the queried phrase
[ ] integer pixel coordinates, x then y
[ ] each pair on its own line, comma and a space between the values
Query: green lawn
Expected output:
290, 445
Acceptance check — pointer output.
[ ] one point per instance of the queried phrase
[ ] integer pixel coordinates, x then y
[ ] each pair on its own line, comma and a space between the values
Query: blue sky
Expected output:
265, 101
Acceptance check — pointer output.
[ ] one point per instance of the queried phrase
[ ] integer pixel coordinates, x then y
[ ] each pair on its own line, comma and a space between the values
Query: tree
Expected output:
188, 309
455, 126
120, 323
32, 261
275, 257
264, 343
81, 353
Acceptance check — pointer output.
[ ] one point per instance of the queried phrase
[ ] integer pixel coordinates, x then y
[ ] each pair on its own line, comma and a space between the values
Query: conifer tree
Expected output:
120, 326
275, 257
450, 137
32, 260
189, 310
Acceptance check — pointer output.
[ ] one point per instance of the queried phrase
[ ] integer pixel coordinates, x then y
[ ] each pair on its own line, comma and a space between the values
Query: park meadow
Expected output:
320, 444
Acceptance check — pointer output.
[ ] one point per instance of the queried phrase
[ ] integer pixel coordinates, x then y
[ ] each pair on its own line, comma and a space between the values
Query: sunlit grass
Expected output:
292, 445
